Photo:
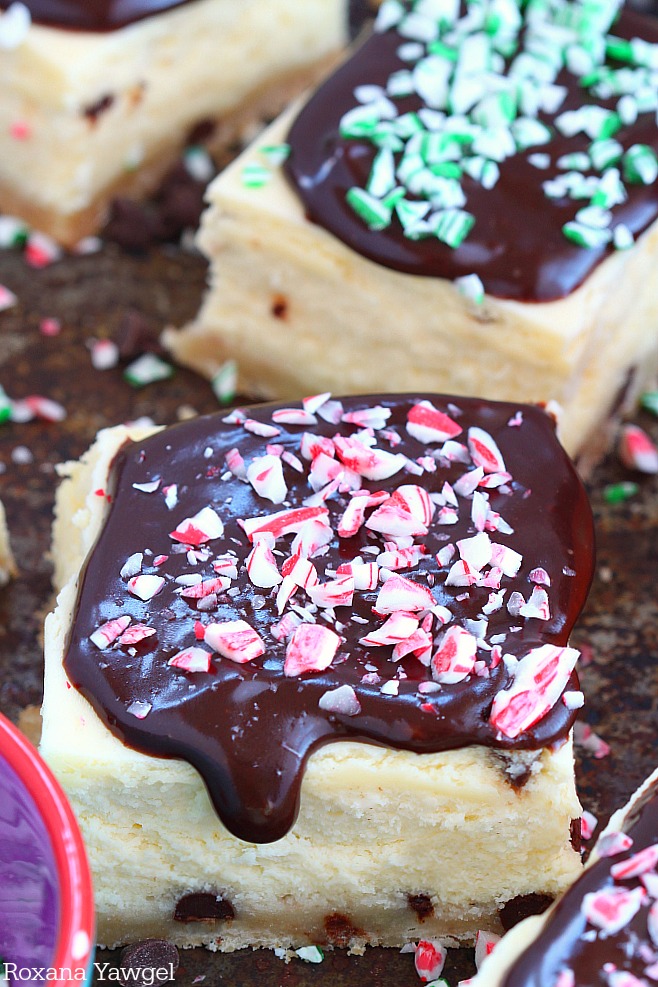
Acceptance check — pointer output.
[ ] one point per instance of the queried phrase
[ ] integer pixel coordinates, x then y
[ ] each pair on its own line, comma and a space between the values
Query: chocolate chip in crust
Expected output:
340, 931
516, 909
203, 906
144, 958
422, 905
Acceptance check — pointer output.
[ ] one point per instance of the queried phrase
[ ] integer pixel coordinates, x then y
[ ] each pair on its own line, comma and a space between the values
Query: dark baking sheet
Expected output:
93, 296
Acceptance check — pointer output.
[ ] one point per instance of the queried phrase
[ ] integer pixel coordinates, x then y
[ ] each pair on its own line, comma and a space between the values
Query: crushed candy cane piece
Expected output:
636, 450
281, 523
484, 945
105, 635
612, 909
400, 593
454, 659
429, 959
639, 863
136, 634
235, 640
484, 451
312, 648
205, 526
612, 844
342, 700
145, 586
139, 709
261, 565
104, 354
539, 679
191, 659
427, 424
7, 298
265, 474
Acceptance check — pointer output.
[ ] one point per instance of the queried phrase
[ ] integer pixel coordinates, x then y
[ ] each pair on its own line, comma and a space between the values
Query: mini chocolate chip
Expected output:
516, 909
279, 307
421, 905
340, 931
576, 833
203, 906
144, 958
100, 106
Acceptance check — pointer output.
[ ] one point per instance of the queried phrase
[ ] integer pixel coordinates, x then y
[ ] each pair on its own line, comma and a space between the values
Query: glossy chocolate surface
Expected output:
516, 246
248, 728
94, 15
568, 941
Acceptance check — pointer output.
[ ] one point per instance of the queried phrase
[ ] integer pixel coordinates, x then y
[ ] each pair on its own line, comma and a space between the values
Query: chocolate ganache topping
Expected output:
512, 141
402, 570
604, 931
94, 15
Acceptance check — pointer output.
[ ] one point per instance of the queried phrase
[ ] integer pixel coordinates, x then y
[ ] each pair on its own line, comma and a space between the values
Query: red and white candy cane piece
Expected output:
191, 660
395, 521
226, 565
374, 464
612, 908
205, 526
484, 945
466, 484
484, 451
311, 445
419, 644
400, 558
236, 464
260, 428
427, 424
375, 417
461, 574
293, 416
324, 469
539, 679
135, 634
236, 640
261, 565
265, 474
45, 408
338, 592
398, 627
311, 537
639, 863
416, 500
537, 606
540, 576
429, 959
314, 402
145, 587
454, 658
281, 523
476, 551
301, 570
7, 298
105, 635
609, 845
400, 593
364, 574
566, 978
636, 450
206, 588
343, 700
282, 630
506, 558
312, 648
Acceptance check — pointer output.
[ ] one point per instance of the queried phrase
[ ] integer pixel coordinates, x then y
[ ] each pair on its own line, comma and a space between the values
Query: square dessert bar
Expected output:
308, 678
100, 97
470, 201
603, 930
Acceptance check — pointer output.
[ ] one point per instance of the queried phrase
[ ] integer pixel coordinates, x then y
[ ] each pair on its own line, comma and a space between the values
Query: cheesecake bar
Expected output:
308, 679
7, 564
100, 97
468, 204
603, 930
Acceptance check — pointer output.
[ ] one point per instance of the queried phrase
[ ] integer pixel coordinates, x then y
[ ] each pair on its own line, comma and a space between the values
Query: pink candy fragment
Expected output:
191, 660
281, 523
293, 416
399, 593
484, 945
107, 633
338, 592
311, 648
261, 565
398, 627
539, 680
639, 863
343, 700
235, 640
613, 908
203, 527
454, 659
265, 474
136, 634
636, 450
429, 959
427, 424
484, 451
206, 588
145, 587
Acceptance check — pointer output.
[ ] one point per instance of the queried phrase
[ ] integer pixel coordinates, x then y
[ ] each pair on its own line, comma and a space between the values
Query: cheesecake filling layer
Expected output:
603, 931
402, 570
93, 15
512, 142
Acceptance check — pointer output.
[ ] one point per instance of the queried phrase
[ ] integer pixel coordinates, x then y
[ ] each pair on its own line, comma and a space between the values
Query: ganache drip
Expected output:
459, 535
603, 930
94, 15
517, 245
